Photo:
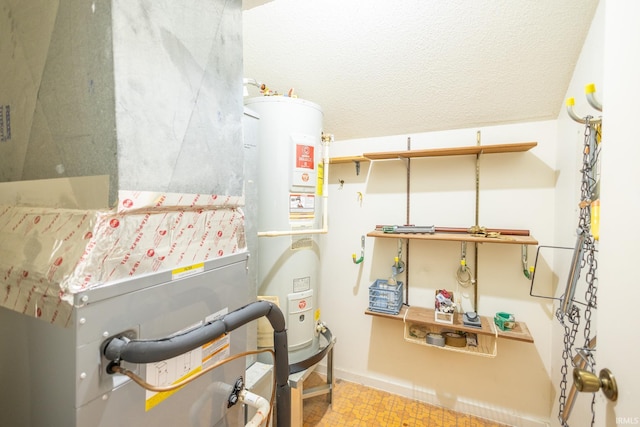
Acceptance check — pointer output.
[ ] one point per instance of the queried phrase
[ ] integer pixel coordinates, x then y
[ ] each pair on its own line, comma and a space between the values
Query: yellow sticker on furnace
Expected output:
179, 273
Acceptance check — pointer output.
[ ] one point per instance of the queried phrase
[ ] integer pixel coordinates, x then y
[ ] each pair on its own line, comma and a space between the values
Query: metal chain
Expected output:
571, 323
589, 261
590, 159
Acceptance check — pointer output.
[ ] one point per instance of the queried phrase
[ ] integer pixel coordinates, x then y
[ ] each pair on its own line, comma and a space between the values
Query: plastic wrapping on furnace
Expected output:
49, 254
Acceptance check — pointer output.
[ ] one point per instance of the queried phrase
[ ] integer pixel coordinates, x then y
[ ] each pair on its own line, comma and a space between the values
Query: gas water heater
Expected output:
290, 211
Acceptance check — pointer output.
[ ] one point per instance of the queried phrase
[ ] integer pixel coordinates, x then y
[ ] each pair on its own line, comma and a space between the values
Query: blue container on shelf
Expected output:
385, 297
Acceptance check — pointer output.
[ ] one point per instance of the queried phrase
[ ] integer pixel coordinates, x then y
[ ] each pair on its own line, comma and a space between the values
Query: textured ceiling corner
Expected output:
385, 68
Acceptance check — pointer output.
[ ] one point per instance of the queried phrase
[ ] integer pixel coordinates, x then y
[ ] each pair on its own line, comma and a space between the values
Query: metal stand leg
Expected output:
326, 388
298, 393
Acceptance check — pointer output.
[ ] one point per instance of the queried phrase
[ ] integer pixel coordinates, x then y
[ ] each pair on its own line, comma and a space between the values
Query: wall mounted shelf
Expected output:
438, 152
347, 159
457, 237
423, 319
425, 316
454, 151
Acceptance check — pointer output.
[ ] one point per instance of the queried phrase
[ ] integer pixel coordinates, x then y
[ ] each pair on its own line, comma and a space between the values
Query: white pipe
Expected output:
259, 403
325, 204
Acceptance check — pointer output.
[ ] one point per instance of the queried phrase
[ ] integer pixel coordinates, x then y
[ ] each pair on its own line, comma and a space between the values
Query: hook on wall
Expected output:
589, 91
359, 260
526, 269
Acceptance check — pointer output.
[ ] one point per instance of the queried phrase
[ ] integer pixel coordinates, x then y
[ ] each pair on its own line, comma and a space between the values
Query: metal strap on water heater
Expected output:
316, 358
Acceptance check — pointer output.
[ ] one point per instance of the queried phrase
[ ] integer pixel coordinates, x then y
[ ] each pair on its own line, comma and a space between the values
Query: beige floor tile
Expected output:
354, 405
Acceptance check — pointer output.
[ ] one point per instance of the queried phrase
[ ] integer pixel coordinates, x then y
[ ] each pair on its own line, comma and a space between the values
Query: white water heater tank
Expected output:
290, 186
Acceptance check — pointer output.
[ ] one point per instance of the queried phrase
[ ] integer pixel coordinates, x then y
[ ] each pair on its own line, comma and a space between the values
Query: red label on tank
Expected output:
304, 156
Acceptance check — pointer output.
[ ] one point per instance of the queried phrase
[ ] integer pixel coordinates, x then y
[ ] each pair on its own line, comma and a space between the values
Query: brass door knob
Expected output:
588, 382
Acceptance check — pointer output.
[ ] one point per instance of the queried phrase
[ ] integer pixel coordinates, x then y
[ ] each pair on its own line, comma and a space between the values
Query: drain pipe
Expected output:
121, 349
259, 403
223, 390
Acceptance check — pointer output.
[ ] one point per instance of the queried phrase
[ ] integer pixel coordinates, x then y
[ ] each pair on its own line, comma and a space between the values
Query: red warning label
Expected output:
304, 156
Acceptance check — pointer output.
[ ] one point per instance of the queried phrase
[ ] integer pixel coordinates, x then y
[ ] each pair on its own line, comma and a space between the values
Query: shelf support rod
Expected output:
477, 224
477, 216
408, 221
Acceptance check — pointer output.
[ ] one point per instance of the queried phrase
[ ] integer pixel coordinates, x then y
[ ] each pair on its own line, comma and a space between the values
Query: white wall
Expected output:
517, 191
620, 207
536, 190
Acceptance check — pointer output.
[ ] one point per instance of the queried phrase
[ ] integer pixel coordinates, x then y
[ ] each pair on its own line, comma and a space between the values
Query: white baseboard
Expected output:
477, 409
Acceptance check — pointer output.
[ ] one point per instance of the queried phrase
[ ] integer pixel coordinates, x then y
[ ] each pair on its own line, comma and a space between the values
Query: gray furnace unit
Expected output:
56, 377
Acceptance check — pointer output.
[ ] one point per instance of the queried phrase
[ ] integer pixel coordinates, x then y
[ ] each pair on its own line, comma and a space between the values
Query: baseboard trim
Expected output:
477, 409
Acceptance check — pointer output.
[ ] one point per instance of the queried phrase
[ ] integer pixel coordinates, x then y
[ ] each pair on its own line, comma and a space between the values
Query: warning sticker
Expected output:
301, 206
303, 164
169, 372
305, 156
301, 284
175, 370
179, 273
218, 349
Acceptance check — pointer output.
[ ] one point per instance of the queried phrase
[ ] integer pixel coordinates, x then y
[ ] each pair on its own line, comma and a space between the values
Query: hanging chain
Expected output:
589, 184
571, 321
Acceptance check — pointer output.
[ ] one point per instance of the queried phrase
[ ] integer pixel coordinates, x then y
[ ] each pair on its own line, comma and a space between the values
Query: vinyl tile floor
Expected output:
357, 405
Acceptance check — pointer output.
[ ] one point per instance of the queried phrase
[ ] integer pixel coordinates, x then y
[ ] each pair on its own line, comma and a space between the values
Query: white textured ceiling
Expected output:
384, 67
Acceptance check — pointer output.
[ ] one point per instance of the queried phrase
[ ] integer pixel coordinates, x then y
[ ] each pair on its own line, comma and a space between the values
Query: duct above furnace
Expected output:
146, 95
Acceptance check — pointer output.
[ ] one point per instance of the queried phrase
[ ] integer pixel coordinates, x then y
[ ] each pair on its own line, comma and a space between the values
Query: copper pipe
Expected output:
506, 231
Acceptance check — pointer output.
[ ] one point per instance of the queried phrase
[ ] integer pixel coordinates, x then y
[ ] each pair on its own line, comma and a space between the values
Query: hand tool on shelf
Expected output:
431, 229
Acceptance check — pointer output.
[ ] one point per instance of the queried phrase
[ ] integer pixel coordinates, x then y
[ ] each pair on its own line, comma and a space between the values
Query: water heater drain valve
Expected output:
321, 328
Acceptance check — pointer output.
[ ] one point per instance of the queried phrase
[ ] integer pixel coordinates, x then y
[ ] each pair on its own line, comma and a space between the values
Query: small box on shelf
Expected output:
442, 317
445, 308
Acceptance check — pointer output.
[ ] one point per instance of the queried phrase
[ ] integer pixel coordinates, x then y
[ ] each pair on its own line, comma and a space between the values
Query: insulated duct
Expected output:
144, 94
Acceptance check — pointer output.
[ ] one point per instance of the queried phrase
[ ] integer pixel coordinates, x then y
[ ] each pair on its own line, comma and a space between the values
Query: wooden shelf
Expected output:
457, 237
417, 321
438, 152
485, 345
425, 316
347, 159
455, 151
